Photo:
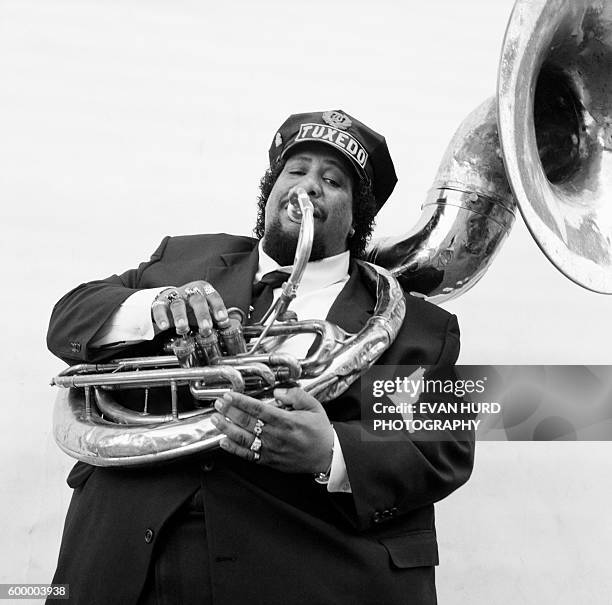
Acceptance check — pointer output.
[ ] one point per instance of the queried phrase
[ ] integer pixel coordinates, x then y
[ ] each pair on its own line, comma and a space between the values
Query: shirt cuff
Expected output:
338, 476
131, 322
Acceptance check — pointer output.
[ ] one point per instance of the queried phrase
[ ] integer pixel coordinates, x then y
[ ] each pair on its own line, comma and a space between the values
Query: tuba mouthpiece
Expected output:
298, 199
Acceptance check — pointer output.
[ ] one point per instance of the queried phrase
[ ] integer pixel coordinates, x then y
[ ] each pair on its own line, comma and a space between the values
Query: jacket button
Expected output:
148, 535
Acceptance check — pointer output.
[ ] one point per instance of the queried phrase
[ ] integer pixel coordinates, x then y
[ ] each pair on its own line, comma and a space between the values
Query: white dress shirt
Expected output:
320, 285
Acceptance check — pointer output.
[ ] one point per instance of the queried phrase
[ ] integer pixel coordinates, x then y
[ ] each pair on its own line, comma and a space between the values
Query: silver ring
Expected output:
258, 428
189, 292
256, 456
256, 445
172, 296
208, 289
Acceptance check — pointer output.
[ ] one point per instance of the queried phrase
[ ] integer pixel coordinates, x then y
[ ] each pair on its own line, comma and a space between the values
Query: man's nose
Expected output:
312, 184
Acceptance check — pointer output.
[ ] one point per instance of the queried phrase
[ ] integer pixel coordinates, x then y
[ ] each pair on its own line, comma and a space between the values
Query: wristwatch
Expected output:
323, 478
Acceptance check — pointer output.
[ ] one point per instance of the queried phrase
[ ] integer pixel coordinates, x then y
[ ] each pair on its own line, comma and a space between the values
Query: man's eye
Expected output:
333, 182
296, 171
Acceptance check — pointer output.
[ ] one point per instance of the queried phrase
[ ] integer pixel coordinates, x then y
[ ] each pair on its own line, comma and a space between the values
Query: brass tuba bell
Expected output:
544, 144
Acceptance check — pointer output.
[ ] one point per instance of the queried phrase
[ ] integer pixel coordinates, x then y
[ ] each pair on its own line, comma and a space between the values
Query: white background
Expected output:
121, 122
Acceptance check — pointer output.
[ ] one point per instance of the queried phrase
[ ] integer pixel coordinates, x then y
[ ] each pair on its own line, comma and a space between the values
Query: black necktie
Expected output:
263, 293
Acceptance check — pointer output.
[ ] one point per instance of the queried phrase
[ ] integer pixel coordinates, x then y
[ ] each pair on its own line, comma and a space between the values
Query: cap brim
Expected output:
360, 171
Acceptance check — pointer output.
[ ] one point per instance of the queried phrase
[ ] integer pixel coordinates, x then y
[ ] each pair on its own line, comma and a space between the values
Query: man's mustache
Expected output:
319, 211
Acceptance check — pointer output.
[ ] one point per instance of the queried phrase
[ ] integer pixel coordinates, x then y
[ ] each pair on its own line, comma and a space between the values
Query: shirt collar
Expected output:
318, 274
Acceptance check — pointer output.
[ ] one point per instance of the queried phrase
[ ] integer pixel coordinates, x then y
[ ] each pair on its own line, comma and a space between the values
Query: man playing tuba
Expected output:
295, 507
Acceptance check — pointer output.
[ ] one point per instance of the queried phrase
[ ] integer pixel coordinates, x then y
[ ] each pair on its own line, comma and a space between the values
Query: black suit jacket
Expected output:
283, 533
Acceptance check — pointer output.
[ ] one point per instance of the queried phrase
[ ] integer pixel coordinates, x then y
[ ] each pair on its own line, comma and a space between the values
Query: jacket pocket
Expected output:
79, 474
415, 549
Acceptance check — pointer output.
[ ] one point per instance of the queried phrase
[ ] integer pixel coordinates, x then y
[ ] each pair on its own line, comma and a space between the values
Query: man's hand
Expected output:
295, 440
195, 303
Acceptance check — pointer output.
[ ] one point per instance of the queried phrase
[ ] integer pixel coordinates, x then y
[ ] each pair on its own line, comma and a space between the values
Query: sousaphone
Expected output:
544, 144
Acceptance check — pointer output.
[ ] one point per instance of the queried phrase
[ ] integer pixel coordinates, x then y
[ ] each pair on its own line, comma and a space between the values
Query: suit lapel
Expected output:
233, 277
354, 305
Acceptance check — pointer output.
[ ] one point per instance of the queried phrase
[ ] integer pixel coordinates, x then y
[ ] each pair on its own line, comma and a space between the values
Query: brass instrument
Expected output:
90, 424
545, 143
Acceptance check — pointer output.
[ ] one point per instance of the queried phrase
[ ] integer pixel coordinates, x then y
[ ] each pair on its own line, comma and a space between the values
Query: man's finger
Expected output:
232, 431
253, 407
179, 314
159, 312
229, 446
296, 398
237, 441
199, 305
237, 416
253, 425
216, 305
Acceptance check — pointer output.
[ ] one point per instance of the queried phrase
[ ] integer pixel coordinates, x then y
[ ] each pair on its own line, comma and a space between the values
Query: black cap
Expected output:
367, 150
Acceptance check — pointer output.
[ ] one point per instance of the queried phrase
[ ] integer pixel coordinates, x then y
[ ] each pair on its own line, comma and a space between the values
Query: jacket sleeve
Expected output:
77, 316
391, 477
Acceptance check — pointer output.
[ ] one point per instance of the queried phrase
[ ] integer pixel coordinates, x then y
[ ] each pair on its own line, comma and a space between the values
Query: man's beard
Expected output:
280, 245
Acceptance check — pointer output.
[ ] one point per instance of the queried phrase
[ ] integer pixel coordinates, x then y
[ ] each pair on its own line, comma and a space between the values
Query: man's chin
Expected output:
280, 244
281, 247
